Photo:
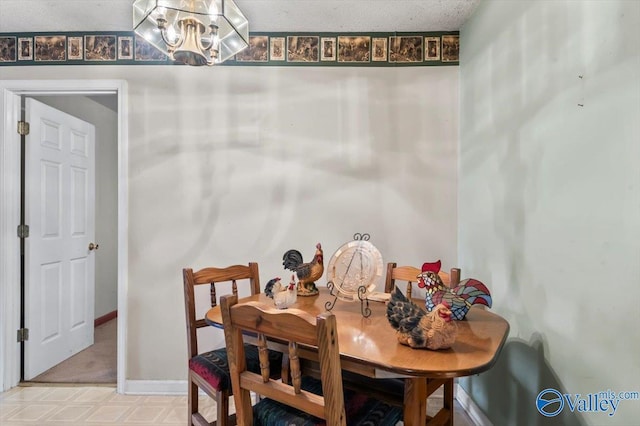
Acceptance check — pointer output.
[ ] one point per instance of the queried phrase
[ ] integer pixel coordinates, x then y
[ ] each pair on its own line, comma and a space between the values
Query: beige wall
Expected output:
549, 194
236, 164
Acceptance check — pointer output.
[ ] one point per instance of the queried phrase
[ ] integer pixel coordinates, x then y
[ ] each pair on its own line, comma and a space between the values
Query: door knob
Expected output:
93, 246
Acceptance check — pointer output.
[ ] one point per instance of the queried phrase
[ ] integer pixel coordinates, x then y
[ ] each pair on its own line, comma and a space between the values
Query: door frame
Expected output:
11, 92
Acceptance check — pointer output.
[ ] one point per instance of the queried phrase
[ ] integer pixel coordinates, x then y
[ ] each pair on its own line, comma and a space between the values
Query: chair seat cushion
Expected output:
360, 410
213, 366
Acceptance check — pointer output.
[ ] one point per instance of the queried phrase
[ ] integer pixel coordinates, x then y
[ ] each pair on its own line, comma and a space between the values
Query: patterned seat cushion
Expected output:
360, 410
214, 366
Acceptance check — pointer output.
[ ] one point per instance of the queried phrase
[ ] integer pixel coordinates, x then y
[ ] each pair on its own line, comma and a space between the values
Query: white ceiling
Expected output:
263, 15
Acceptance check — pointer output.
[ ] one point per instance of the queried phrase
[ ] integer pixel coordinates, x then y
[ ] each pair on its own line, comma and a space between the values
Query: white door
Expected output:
60, 212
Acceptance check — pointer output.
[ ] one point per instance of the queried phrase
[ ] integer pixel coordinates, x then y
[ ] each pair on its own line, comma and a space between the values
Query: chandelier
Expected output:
194, 32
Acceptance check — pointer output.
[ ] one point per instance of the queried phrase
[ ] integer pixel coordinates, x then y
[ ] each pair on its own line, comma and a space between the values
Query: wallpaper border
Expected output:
378, 49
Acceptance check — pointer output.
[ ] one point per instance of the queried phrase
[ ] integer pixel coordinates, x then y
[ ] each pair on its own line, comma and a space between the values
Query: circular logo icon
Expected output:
549, 402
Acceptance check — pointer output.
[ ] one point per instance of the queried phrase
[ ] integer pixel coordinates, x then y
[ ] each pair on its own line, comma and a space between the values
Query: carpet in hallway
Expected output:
96, 364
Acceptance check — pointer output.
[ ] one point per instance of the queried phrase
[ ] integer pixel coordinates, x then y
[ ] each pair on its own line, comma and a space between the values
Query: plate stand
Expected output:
362, 296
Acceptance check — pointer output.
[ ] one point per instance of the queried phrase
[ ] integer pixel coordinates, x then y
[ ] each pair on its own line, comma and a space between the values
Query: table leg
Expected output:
448, 400
415, 401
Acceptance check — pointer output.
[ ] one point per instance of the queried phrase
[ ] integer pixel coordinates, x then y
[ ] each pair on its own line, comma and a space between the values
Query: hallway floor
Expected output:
96, 364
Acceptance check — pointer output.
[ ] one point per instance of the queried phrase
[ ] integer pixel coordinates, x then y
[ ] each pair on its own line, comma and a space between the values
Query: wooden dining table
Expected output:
369, 346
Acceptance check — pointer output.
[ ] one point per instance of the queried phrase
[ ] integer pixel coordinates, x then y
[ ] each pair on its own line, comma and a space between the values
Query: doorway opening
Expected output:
82, 347
112, 92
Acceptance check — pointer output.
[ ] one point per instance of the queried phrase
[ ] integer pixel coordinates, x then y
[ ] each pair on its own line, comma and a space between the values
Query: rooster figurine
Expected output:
460, 298
283, 297
307, 273
419, 329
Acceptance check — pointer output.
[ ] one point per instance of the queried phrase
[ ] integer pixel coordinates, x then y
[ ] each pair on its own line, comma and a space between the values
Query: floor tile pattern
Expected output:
102, 406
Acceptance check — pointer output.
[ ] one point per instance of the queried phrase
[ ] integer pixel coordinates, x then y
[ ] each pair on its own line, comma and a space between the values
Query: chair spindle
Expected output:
294, 365
263, 355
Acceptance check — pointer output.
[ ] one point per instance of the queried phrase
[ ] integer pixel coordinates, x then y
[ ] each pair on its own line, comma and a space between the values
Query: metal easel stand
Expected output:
362, 296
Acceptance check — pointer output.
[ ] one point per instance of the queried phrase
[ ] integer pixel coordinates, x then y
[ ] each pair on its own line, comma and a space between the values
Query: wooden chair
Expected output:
408, 275
306, 401
209, 371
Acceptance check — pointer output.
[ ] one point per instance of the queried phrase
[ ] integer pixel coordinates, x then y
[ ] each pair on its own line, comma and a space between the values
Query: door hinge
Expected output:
23, 335
23, 231
23, 128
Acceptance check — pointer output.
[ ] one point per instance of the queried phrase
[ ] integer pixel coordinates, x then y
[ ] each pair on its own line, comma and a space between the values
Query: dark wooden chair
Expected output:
305, 400
408, 275
209, 371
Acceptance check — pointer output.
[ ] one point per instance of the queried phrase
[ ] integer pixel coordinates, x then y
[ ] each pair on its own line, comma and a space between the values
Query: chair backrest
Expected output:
236, 275
409, 275
292, 327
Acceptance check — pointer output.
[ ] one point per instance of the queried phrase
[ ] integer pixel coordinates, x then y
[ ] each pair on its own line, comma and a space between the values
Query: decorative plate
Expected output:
354, 268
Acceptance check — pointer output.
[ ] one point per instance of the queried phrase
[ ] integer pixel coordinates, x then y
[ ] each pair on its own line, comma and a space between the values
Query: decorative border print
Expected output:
25, 48
277, 49
125, 47
405, 49
379, 49
50, 48
328, 52
8, 51
450, 48
75, 50
302, 48
257, 51
146, 51
432, 48
281, 49
354, 49
100, 48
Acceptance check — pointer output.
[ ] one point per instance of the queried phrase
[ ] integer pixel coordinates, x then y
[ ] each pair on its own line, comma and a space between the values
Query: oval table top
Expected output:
369, 345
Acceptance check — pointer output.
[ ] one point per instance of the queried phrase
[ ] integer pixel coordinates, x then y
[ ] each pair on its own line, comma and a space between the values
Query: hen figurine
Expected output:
307, 273
283, 297
417, 328
460, 298
272, 287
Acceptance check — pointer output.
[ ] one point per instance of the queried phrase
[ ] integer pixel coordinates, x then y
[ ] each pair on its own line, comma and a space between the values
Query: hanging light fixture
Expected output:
194, 32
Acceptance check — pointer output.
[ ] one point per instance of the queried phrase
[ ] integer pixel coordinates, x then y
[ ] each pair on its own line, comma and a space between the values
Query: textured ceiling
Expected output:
263, 15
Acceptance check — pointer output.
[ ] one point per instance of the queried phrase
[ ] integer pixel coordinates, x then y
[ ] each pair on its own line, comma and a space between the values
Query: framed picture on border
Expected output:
379, 49
432, 48
328, 52
145, 51
75, 50
125, 47
100, 48
277, 49
302, 48
257, 51
450, 48
354, 48
50, 48
405, 49
8, 49
25, 48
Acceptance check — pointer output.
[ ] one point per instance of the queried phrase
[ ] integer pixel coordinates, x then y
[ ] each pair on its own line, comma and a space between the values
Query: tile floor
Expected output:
102, 406
91, 406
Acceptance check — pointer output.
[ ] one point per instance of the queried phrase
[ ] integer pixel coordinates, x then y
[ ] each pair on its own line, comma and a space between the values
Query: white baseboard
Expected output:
155, 387
167, 387
473, 411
